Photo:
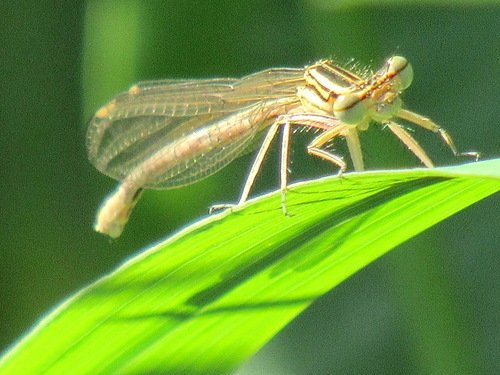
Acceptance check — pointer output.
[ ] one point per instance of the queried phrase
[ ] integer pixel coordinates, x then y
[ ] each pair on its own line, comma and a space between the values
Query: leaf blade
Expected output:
212, 295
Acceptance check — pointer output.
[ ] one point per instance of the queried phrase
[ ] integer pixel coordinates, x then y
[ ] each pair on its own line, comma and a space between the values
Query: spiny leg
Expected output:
354, 146
321, 122
411, 143
315, 149
428, 124
300, 119
257, 163
285, 147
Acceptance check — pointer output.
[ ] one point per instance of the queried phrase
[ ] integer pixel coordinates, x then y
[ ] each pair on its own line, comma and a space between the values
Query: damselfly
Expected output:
169, 133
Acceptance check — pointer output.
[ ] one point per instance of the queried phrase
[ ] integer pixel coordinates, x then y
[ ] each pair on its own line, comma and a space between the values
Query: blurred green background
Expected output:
429, 307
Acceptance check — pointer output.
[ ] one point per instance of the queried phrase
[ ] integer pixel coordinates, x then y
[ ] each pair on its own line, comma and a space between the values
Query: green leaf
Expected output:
208, 298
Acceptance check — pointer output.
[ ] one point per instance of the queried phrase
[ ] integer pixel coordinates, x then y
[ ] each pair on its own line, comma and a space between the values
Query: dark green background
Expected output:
430, 307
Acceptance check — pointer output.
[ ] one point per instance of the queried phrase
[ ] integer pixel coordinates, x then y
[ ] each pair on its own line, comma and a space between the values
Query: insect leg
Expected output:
354, 146
428, 124
309, 120
285, 147
315, 149
258, 162
321, 122
411, 143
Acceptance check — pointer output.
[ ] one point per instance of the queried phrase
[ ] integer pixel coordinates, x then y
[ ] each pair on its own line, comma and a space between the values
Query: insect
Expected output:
169, 133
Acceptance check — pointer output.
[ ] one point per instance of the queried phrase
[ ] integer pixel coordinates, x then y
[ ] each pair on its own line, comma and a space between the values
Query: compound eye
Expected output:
350, 109
402, 70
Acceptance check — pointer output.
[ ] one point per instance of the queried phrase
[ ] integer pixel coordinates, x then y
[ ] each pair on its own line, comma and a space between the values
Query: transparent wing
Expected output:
152, 115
